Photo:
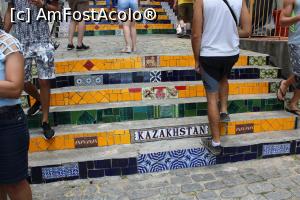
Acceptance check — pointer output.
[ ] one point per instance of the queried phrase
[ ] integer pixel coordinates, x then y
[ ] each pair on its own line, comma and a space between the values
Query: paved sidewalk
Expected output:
272, 179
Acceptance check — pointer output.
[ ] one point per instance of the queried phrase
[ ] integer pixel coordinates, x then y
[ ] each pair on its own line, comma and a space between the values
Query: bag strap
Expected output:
232, 12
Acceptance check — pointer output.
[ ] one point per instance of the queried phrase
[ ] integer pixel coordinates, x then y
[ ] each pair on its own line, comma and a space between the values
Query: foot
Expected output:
70, 47
48, 132
126, 50
35, 109
82, 47
293, 109
224, 118
207, 143
281, 92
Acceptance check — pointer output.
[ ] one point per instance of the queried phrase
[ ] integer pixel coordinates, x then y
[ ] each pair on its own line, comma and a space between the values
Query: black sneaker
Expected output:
207, 143
224, 118
82, 47
48, 131
70, 47
35, 109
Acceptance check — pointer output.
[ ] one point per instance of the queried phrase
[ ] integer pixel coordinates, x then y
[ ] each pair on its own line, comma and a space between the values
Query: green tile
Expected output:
167, 111
63, 118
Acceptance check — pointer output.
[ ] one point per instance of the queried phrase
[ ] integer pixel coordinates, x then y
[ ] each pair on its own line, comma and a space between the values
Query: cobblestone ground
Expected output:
273, 179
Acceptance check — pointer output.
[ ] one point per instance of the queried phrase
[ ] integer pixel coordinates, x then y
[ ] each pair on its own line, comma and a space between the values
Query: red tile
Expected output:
180, 87
135, 90
89, 65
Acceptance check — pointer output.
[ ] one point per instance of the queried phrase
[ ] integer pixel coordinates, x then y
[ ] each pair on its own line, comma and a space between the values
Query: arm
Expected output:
7, 18
12, 87
197, 30
175, 4
285, 18
245, 29
53, 6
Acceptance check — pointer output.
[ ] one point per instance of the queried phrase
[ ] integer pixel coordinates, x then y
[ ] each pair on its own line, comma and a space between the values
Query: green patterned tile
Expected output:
84, 117
167, 111
268, 73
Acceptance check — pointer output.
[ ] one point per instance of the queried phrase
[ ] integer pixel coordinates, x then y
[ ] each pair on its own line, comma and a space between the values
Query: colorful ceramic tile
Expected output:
151, 61
60, 172
268, 73
155, 76
154, 134
88, 80
179, 159
257, 60
24, 101
276, 149
160, 93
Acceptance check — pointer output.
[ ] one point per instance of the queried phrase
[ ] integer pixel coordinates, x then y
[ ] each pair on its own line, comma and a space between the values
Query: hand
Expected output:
175, 6
198, 67
38, 3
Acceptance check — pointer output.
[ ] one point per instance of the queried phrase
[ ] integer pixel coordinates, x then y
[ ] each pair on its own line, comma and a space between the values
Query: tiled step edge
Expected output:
145, 131
146, 158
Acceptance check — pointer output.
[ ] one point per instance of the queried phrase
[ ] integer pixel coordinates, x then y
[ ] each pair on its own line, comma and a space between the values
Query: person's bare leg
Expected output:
127, 34
294, 101
72, 28
45, 98
223, 95
19, 191
3, 194
31, 90
133, 36
213, 115
285, 84
81, 30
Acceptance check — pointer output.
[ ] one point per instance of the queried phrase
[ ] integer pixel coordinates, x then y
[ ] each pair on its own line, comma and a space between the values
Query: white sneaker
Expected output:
178, 30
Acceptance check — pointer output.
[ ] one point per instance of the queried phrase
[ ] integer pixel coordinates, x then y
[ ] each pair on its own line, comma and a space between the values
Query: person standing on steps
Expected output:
129, 28
185, 16
81, 6
217, 25
36, 42
291, 17
14, 135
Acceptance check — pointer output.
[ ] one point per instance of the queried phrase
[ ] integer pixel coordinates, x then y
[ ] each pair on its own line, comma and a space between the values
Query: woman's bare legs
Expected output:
133, 36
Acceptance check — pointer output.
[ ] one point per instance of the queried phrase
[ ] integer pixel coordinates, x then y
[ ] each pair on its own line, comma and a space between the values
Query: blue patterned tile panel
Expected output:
276, 149
64, 171
178, 159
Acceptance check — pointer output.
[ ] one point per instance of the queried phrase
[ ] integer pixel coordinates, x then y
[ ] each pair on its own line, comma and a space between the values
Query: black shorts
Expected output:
215, 69
14, 145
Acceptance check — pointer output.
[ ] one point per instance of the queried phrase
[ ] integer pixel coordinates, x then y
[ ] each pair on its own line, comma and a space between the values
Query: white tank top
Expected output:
220, 34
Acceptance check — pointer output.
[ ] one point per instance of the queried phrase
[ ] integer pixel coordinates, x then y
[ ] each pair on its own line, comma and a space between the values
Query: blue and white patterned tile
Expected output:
276, 149
179, 159
64, 171
155, 76
88, 80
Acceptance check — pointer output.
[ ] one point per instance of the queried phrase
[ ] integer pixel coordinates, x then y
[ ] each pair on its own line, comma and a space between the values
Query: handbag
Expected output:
232, 12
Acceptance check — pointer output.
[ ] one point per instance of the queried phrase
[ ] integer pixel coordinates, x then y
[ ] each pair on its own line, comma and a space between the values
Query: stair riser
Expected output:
149, 93
100, 139
139, 62
124, 114
157, 162
153, 76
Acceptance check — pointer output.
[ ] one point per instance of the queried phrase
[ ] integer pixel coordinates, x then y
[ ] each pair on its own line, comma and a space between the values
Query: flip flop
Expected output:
281, 92
296, 111
126, 50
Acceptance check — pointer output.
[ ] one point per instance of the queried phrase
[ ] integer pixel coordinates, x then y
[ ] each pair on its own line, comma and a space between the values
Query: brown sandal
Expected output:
279, 91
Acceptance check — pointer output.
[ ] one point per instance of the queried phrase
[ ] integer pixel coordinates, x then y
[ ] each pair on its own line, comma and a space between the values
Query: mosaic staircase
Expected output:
121, 115
163, 25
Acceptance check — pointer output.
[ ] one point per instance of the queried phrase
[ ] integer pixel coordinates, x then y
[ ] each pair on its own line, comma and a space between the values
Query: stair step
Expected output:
149, 91
155, 109
154, 157
146, 75
79, 136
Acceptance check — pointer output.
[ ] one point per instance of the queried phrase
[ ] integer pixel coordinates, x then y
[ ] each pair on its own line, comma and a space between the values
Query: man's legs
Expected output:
223, 95
72, 28
133, 36
18, 191
31, 90
81, 30
127, 36
45, 98
213, 115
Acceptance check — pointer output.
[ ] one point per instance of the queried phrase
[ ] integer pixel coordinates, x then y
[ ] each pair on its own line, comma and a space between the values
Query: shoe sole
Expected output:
34, 114
47, 138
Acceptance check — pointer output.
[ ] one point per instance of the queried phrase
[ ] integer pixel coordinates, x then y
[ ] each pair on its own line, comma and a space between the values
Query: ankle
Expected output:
215, 143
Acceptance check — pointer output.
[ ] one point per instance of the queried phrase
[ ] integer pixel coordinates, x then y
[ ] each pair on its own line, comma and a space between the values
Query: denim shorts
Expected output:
125, 5
14, 145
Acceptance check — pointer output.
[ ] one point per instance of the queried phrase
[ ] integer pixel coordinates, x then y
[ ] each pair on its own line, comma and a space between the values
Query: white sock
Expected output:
215, 144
